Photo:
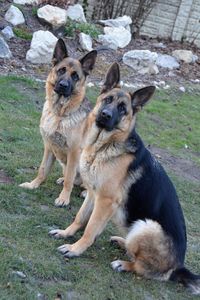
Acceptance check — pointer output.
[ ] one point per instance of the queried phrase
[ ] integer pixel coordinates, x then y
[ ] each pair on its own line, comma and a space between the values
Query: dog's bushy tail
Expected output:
188, 279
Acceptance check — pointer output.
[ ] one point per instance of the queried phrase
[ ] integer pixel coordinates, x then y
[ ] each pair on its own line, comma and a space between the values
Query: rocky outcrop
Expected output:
14, 16
42, 47
167, 61
85, 41
4, 49
75, 12
52, 15
115, 37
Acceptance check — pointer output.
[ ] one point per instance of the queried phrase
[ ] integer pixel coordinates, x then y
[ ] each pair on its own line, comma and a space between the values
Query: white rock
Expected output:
142, 61
194, 58
85, 41
124, 21
42, 47
182, 89
159, 45
115, 37
152, 69
14, 16
75, 12
53, 15
29, 2
8, 32
4, 49
90, 84
167, 61
183, 55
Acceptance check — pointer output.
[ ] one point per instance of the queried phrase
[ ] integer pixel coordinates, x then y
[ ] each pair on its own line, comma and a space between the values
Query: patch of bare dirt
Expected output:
181, 167
4, 178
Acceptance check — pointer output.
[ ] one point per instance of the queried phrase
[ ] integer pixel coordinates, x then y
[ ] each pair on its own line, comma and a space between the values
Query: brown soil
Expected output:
181, 167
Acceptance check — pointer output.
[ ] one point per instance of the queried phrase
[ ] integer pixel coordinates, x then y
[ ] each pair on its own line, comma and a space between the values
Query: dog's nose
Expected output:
64, 83
106, 114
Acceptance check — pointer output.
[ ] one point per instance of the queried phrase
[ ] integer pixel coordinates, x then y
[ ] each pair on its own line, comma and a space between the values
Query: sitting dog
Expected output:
127, 184
64, 117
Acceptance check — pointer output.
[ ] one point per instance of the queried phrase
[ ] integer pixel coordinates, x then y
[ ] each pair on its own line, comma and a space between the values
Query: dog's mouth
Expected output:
63, 92
103, 124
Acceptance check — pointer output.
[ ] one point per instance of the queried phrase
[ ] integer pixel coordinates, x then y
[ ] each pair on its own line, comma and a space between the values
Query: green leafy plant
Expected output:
22, 33
73, 27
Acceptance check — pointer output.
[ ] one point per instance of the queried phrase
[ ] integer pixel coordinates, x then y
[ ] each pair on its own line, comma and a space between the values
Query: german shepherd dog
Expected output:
127, 184
63, 118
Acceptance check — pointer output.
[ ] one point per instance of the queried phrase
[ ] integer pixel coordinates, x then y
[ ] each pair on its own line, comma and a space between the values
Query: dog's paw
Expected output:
60, 181
61, 202
68, 251
29, 185
57, 233
117, 265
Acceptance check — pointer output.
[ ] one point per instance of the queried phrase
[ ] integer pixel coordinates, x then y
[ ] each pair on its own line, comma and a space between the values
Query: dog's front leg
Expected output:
69, 176
104, 209
80, 221
44, 170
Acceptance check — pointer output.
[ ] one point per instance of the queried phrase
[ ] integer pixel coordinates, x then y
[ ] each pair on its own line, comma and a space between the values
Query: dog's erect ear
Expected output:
140, 97
112, 78
60, 52
88, 61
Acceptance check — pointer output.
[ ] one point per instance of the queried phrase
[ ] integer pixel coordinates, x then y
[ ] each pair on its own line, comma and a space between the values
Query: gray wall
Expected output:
177, 19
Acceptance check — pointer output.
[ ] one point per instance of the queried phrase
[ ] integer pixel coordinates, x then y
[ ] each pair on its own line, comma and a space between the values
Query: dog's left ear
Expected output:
88, 61
141, 97
60, 52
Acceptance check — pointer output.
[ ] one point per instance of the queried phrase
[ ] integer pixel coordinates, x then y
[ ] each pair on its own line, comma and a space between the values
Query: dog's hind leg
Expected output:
44, 170
80, 221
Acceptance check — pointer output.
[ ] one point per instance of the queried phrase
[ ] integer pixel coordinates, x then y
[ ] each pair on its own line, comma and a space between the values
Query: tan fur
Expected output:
103, 159
62, 128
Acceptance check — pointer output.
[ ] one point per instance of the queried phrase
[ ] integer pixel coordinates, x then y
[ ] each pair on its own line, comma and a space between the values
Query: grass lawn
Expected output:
170, 121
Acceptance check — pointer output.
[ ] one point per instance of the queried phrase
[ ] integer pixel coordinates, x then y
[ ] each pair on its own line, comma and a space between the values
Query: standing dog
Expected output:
63, 118
127, 184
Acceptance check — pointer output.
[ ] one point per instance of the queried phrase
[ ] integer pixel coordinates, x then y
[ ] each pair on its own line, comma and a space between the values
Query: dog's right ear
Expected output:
112, 78
60, 52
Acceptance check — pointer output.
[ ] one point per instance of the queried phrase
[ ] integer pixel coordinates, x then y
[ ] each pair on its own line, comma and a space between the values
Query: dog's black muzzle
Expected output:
105, 119
64, 88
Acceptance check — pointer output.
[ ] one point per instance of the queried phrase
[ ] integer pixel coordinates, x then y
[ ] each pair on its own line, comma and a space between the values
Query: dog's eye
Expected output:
108, 100
122, 108
61, 71
75, 76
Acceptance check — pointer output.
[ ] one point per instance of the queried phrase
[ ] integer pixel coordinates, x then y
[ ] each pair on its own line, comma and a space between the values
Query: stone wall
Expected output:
176, 19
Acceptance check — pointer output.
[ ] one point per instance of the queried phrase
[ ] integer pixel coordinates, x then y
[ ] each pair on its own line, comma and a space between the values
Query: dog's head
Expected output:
68, 75
116, 109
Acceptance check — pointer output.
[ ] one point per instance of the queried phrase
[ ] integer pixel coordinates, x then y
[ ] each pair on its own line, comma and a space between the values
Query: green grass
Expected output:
73, 27
22, 33
27, 216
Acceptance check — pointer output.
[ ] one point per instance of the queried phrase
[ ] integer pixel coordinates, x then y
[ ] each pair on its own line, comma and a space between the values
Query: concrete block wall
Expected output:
176, 19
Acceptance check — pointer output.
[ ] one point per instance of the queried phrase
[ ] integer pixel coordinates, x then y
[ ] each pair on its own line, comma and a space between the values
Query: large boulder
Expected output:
14, 16
184, 55
75, 12
124, 21
142, 61
167, 61
4, 49
24, 2
42, 47
53, 15
115, 37
85, 41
